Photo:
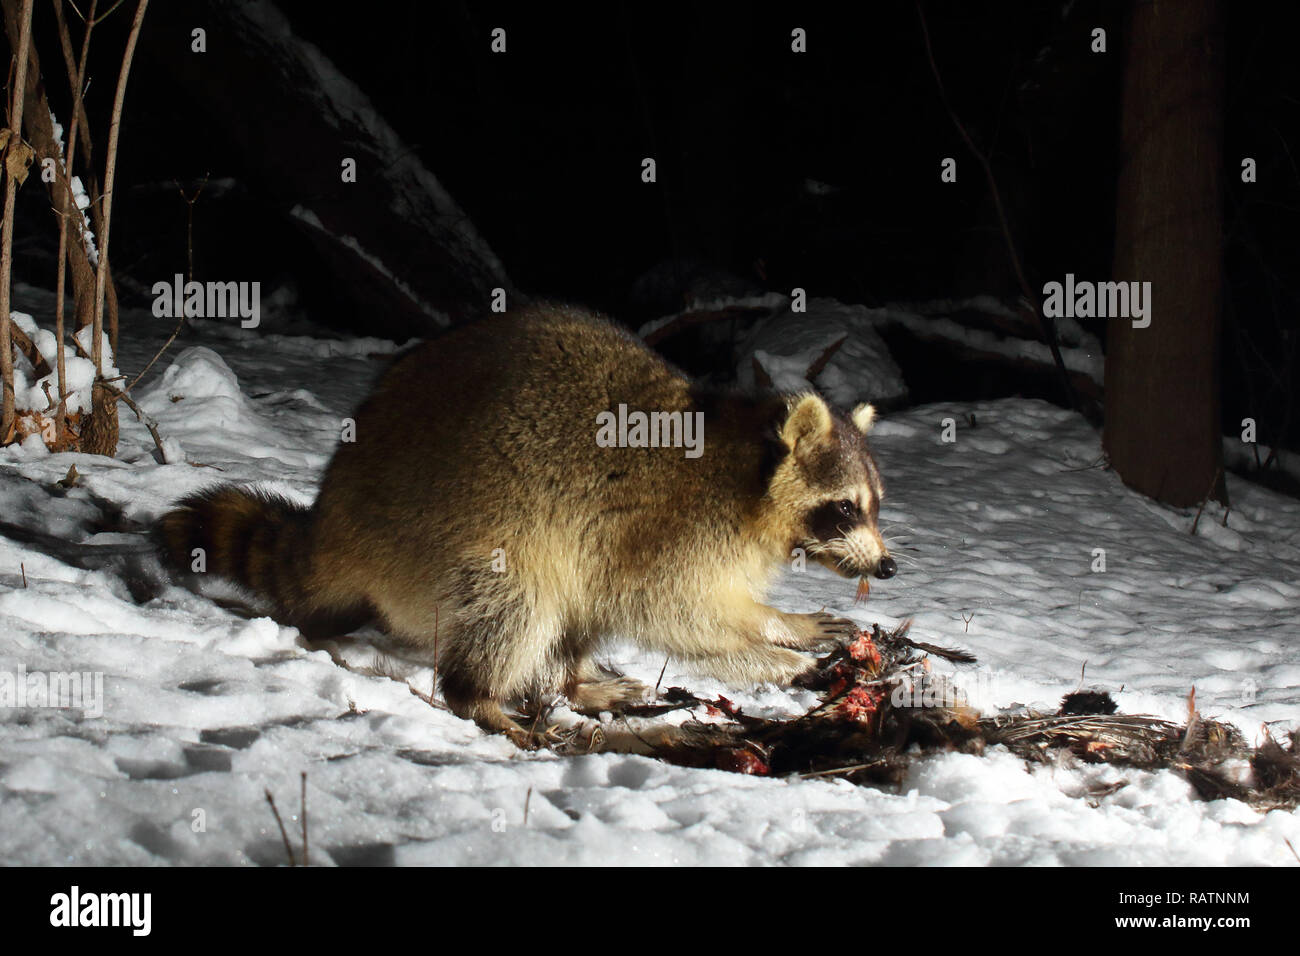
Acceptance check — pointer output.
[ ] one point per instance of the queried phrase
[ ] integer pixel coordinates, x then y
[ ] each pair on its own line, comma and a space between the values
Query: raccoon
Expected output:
476, 513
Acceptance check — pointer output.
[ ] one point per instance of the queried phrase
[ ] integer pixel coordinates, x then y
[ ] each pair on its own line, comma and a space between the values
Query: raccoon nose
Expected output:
886, 568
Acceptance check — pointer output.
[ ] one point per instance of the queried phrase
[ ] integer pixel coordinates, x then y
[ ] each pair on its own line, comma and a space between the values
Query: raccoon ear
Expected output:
863, 417
809, 418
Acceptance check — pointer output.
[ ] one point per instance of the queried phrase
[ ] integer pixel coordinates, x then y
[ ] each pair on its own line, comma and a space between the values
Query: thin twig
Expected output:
157, 355
1047, 325
284, 835
1213, 484
105, 15
79, 129
837, 770
303, 813
189, 255
189, 226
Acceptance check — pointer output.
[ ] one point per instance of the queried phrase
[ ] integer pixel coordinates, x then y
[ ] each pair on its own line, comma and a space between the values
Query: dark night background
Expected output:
542, 148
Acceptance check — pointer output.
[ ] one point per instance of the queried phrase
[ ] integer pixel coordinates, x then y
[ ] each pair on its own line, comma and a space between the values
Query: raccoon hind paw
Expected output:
612, 694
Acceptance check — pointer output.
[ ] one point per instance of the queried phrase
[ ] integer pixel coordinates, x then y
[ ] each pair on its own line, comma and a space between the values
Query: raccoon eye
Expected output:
847, 508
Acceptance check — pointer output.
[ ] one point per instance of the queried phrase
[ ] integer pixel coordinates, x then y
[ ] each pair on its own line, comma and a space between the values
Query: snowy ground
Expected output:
996, 537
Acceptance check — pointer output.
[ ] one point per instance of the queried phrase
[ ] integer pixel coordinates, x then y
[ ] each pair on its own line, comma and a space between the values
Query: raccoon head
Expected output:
827, 488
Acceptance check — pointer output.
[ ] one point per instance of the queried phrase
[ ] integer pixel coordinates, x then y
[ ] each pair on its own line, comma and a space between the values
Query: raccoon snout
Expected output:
887, 568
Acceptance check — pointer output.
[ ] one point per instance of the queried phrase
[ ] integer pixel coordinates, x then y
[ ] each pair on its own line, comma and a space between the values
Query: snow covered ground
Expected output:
996, 534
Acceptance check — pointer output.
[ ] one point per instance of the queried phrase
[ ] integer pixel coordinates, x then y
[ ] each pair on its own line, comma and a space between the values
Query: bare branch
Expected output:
143, 417
98, 20
76, 77
110, 172
29, 349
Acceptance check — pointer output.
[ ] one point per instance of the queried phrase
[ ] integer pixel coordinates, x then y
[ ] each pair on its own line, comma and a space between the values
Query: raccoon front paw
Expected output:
838, 630
523, 739
817, 632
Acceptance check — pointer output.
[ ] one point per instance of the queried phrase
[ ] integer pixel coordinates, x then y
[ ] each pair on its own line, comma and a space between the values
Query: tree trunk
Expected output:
1163, 429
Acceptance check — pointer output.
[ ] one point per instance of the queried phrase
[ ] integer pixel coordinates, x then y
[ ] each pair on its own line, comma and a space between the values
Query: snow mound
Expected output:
789, 344
200, 408
197, 373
